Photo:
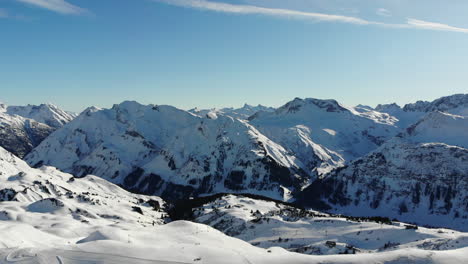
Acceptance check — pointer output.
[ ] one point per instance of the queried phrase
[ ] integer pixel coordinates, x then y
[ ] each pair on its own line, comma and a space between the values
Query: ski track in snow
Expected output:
60, 256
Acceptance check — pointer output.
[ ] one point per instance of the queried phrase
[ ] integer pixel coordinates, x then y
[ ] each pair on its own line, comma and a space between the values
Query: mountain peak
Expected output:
387, 107
128, 104
329, 105
90, 110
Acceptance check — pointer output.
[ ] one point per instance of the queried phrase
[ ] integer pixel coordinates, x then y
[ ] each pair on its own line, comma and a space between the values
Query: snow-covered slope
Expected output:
419, 176
404, 118
186, 242
439, 127
20, 135
170, 152
271, 224
324, 134
48, 114
242, 113
57, 197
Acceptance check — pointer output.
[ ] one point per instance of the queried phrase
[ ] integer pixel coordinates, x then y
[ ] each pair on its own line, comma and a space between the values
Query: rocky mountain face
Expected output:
20, 135
419, 176
23, 127
324, 134
170, 152
48, 114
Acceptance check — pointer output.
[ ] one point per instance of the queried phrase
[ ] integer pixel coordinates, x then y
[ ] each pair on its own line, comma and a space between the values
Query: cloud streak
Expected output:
434, 26
250, 9
411, 23
58, 6
383, 12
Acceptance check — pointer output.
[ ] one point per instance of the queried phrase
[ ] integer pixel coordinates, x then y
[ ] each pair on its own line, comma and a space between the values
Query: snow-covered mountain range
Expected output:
162, 150
166, 151
408, 163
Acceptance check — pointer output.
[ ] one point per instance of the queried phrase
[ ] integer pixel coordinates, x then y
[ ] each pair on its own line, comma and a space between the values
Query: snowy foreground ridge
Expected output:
312, 181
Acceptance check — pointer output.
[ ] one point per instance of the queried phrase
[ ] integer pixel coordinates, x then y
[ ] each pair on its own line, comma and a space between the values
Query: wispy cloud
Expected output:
415, 23
321, 17
383, 12
59, 6
250, 9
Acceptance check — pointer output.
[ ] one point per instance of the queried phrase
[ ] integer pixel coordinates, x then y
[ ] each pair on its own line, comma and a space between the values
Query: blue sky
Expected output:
188, 53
